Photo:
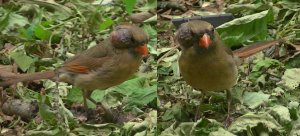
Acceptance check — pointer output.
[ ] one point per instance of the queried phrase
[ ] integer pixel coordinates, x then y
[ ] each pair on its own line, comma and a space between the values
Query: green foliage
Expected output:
22, 60
45, 111
255, 99
252, 27
146, 127
293, 62
261, 66
256, 123
281, 113
202, 127
105, 24
129, 5
11, 22
75, 95
42, 33
177, 112
221, 132
153, 40
291, 78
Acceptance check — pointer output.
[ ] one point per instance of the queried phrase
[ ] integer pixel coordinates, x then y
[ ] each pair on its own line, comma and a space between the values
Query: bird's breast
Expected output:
214, 72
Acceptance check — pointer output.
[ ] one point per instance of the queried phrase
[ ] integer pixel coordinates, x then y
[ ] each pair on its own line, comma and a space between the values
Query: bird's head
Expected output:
130, 36
196, 33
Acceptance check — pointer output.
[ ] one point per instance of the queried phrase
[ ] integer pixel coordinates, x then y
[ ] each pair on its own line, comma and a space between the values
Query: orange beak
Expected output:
205, 41
143, 50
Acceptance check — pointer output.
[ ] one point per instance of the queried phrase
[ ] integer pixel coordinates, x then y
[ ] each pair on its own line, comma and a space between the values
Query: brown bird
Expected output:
107, 64
206, 63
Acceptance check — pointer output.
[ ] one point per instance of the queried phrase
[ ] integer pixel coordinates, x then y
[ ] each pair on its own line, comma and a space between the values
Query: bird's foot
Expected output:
229, 119
197, 115
101, 109
196, 118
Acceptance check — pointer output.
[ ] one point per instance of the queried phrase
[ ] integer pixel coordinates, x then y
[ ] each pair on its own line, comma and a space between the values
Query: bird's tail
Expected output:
7, 78
249, 50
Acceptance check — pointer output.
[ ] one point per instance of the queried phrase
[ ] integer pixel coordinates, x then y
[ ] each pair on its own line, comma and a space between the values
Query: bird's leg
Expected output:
1, 98
87, 95
106, 112
229, 99
198, 107
84, 94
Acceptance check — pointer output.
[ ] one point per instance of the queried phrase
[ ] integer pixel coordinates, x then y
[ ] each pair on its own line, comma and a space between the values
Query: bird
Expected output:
107, 64
206, 63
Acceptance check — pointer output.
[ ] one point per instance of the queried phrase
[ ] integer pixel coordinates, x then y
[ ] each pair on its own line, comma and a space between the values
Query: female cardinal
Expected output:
109, 63
206, 63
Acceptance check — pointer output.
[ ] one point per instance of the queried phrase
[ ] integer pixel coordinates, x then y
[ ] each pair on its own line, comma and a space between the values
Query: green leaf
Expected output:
296, 128
22, 60
259, 67
151, 19
151, 4
252, 120
129, 5
245, 28
293, 109
293, 62
291, 78
150, 31
237, 8
130, 86
153, 38
176, 112
221, 132
4, 21
265, 63
105, 24
281, 113
42, 33
143, 96
255, 99
75, 95
11, 22
45, 111
200, 128
98, 95
62, 11
146, 125
56, 131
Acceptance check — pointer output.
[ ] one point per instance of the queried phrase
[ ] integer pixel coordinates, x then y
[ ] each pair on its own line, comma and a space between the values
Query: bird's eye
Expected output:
132, 39
212, 33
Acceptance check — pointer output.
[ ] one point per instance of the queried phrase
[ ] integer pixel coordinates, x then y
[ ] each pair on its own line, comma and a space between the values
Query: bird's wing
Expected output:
88, 60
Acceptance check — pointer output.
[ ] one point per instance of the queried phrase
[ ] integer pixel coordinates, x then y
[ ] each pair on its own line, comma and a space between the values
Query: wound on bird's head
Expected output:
121, 38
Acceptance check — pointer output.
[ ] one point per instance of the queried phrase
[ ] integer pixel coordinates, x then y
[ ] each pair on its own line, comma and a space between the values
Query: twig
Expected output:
169, 52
